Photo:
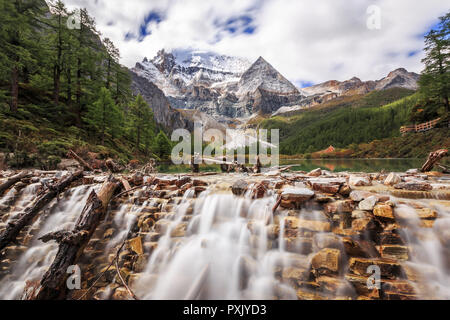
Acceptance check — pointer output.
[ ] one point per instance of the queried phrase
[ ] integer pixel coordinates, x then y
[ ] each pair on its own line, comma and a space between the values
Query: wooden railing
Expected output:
420, 127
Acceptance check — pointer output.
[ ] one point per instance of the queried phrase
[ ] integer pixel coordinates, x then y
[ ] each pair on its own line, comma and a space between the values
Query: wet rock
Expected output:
315, 173
109, 233
383, 211
364, 224
297, 194
359, 248
427, 213
161, 226
121, 293
360, 283
392, 179
239, 187
414, 186
313, 225
412, 171
359, 214
137, 179
359, 181
334, 285
398, 290
327, 240
390, 269
345, 190
358, 195
150, 246
326, 187
140, 263
182, 181
339, 207
295, 274
179, 230
135, 244
199, 183
326, 260
300, 245
273, 231
368, 204
398, 252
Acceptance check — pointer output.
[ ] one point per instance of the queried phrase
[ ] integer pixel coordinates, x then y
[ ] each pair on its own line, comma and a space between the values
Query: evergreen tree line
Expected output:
57, 72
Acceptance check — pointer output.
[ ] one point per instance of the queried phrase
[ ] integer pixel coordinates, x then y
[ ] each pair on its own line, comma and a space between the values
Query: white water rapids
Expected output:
230, 247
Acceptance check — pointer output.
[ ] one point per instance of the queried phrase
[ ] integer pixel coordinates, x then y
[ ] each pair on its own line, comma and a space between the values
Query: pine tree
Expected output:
162, 147
104, 116
20, 22
141, 121
435, 79
60, 43
112, 59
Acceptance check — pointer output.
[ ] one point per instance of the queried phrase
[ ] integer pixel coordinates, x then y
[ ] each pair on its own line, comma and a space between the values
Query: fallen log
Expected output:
83, 163
72, 243
433, 159
113, 167
12, 181
27, 216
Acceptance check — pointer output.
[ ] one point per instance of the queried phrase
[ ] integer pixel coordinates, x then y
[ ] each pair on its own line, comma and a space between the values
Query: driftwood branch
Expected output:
433, 159
12, 181
130, 292
53, 281
83, 163
27, 216
100, 275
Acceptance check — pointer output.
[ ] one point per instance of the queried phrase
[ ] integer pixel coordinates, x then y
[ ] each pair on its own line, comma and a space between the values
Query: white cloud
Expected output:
306, 40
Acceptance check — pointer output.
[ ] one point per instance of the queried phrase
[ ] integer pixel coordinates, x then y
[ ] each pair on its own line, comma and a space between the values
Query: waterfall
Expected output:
201, 241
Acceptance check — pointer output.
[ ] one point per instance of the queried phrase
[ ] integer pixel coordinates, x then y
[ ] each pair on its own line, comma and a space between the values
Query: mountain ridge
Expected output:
231, 89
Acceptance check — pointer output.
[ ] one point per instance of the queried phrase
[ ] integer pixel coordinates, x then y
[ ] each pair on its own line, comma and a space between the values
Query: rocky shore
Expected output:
330, 230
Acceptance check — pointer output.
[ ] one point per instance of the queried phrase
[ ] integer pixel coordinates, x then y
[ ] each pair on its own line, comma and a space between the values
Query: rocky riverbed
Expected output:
290, 235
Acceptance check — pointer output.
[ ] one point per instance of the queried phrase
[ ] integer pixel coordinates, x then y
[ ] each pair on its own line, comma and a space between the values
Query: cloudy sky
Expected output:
308, 41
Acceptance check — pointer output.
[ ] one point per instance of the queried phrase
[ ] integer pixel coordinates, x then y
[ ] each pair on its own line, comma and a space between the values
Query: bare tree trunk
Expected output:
72, 243
85, 165
12, 181
433, 158
27, 216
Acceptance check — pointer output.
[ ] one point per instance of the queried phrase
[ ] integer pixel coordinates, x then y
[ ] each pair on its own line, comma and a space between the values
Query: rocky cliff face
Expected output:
223, 87
229, 90
329, 90
164, 114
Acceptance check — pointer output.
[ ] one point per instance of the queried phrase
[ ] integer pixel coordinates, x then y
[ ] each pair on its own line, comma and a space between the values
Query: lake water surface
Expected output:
335, 165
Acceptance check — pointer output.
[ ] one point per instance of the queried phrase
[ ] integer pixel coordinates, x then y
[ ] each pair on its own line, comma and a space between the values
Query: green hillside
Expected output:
345, 121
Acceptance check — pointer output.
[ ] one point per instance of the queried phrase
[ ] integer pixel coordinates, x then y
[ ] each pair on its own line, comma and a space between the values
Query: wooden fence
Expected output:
420, 127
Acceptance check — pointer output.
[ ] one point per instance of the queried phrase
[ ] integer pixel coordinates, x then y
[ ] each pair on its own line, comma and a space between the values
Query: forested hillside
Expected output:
62, 87
345, 121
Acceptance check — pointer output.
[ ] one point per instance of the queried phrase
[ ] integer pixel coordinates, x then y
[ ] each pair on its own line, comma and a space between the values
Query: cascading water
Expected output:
219, 257
211, 244
34, 262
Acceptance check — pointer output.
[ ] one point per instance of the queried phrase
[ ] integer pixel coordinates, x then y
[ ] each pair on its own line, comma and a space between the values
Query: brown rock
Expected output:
389, 269
121, 293
414, 186
398, 252
383, 211
327, 260
239, 187
315, 173
135, 244
326, 187
339, 206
